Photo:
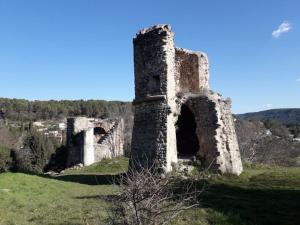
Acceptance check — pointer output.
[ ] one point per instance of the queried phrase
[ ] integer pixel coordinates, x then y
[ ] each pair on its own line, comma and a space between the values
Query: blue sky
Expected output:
82, 49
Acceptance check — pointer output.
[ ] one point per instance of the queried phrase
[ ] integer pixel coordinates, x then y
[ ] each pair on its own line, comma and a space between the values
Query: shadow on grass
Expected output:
107, 198
254, 206
90, 179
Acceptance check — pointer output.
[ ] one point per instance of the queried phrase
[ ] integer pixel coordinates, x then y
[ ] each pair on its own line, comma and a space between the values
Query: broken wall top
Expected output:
162, 69
154, 60
83, 123
192, 71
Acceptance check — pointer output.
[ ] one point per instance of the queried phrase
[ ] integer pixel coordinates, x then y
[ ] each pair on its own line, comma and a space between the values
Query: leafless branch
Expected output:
148, 198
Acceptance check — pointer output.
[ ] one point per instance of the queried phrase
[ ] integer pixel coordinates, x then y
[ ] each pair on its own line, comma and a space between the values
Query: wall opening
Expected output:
187, 141
99, 134
99, 131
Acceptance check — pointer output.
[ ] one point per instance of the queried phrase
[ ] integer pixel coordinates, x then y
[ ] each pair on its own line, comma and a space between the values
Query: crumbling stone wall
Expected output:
166, 78
91, 140
191, 74
154, 59
218, 146
75, 141
111, 143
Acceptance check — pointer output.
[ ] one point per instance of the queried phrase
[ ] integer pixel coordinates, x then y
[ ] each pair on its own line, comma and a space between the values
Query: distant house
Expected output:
41, 129
38, 124
54, 133
62, 126
296, 139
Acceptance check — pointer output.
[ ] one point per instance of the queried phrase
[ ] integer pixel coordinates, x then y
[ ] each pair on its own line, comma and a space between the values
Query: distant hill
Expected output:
270, 137
285, 116
268, 143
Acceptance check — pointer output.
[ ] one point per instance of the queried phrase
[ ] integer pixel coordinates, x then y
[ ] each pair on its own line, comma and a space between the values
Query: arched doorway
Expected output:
187, 141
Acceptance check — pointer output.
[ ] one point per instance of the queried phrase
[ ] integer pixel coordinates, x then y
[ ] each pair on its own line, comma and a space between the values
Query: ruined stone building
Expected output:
176, 115
90, 140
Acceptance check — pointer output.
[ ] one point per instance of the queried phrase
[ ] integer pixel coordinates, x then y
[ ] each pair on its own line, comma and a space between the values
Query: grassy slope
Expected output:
260, 195
109, 166
103, 172
27, 199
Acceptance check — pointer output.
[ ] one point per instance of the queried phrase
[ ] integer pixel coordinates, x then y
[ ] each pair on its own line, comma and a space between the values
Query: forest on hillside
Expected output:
24, 110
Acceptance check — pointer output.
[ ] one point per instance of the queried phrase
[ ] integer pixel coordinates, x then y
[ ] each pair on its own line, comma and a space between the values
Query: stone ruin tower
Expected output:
90, 140
176, 115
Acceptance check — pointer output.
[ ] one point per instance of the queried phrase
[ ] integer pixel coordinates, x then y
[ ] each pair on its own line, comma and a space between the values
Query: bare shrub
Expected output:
148, 197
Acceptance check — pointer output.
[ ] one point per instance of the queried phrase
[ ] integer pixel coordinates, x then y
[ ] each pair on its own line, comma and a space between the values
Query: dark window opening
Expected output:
99, 131
99, 134
187, 141
154, 84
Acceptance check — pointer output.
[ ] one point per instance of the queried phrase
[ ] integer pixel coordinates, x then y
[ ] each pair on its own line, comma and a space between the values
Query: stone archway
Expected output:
187, 140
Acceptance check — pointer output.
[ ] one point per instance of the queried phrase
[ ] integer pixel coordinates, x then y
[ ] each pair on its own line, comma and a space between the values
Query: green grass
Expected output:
103, 172
109, 166
27, 199
262, 195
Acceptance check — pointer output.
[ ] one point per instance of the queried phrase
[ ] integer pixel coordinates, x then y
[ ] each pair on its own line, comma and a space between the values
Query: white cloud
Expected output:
283, 28
268, 106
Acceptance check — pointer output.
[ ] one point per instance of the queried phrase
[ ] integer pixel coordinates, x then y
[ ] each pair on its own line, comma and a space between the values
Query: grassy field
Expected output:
261, 195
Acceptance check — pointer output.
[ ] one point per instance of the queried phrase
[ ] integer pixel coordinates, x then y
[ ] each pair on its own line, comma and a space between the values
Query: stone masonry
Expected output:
90, 140
176, 115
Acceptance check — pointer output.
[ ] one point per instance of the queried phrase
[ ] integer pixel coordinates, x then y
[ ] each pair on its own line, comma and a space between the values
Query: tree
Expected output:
36, 153
5, 159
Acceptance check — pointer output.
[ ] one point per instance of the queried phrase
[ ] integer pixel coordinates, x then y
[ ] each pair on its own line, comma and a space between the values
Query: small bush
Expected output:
58, 160
24, 161
5, 159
